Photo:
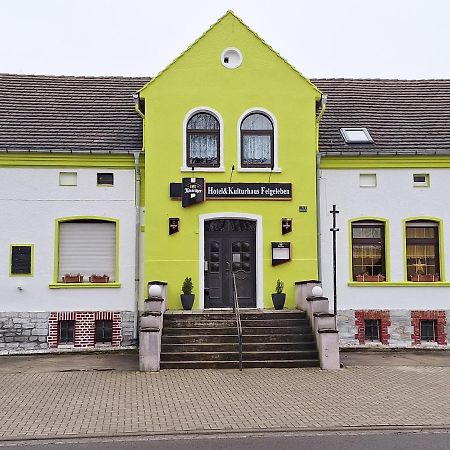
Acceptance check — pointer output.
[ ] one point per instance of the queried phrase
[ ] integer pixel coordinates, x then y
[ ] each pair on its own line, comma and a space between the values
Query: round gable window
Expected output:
231, 58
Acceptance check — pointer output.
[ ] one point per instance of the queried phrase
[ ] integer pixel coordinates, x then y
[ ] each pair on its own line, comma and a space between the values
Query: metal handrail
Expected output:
238, 319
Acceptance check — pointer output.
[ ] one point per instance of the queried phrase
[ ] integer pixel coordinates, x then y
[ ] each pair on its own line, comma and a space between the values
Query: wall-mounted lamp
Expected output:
174, 225
286, 225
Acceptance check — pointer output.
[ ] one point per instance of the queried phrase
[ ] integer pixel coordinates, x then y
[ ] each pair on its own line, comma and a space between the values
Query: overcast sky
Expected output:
321, 38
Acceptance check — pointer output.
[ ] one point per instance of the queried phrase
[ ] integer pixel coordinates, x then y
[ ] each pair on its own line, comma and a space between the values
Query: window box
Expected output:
419, 278
370, 278
99, 278
70, 278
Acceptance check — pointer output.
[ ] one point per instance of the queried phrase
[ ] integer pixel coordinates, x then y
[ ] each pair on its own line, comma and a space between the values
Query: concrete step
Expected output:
235, 364
231, 338
234, 347
172, 331
234, 355
225, 323
223, 315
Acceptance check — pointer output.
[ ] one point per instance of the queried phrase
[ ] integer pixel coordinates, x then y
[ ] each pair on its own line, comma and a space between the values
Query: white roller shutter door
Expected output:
87, 248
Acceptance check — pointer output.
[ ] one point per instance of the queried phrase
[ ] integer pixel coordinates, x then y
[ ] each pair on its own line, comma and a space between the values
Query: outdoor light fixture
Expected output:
174, 225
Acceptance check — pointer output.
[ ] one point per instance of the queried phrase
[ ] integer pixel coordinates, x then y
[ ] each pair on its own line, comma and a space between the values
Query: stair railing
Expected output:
238, 318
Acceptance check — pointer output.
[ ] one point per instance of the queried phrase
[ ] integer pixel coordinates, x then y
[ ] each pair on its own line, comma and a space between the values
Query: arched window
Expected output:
203, 141
257, 141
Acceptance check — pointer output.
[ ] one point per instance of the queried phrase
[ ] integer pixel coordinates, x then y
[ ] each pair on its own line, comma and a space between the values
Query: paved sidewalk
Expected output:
112, 403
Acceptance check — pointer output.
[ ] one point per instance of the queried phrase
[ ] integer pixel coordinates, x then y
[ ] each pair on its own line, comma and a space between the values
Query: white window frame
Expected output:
192, 112
258, 109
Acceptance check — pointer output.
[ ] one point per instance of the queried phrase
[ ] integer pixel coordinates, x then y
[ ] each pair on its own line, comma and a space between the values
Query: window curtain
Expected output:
256, 149
203, 148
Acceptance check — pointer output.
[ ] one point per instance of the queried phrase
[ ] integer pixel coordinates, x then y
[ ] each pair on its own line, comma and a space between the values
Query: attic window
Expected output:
356, 136
231, 58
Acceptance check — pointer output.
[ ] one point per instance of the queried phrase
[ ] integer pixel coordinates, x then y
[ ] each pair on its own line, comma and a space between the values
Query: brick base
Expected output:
383, 316
441, 322
84, 330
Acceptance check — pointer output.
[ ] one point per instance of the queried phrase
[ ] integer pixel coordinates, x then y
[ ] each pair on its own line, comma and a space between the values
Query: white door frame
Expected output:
259, 252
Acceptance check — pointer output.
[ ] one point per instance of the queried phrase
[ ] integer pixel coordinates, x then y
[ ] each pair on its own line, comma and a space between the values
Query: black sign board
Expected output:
192, 191
229, 191
281, 252
21, 260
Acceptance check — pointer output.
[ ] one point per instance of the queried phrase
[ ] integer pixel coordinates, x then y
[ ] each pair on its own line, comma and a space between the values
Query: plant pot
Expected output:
99, 278
187, 300
278, 300
370, 278
424, 278
69, 278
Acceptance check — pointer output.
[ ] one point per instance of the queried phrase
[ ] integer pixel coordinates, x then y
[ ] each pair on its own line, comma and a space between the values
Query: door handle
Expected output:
227, 266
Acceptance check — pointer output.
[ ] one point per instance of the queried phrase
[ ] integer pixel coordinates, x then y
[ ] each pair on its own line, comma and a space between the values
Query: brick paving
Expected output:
82, 404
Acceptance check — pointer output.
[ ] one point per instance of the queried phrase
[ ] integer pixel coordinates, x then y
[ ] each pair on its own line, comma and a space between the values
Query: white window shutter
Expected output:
87, 248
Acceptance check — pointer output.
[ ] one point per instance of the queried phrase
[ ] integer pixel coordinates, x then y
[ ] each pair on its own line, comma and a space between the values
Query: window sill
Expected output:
398, 283
201, 169
83, 285
259, 169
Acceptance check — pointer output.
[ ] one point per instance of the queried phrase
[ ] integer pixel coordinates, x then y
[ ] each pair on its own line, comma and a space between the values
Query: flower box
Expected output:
370, 278
99, 278
70, 278
423, 278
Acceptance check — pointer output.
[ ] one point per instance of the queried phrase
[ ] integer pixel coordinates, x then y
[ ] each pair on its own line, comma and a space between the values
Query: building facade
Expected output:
223, 167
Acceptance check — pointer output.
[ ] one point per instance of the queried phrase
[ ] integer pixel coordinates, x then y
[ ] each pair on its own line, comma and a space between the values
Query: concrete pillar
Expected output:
328, 347
303, 289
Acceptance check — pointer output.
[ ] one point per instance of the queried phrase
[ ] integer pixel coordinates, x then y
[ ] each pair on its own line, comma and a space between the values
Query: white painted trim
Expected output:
259, 252
185, 167
257, 109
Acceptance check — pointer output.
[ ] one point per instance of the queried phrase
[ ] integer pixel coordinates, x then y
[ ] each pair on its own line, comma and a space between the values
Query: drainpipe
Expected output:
137, 187
318, 179
137, 240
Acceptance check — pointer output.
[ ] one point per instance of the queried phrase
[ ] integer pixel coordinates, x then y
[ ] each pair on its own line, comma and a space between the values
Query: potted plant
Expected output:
187, 297
424, 278
99, 278
279, 297
365, 277
71, 278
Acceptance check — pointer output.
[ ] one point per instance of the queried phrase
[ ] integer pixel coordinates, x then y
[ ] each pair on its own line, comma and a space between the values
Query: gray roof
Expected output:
65, 113
402, 116
96, 114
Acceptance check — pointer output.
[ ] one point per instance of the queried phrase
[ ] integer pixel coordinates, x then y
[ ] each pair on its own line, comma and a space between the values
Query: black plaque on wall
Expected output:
21, 259
192, 191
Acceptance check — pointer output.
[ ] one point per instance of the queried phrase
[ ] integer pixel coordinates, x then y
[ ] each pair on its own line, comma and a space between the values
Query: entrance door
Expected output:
230, 247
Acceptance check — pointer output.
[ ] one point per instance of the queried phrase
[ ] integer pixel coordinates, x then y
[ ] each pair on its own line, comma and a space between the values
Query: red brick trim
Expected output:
362, 315
441, 322
84, 331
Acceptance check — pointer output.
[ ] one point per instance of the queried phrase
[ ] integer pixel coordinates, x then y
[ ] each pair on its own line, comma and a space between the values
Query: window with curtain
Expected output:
257, 141
422, 250
87, 251
203, 141
368, 251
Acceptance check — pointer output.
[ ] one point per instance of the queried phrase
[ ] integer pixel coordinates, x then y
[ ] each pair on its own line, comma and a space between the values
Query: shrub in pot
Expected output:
187, 297
279, 297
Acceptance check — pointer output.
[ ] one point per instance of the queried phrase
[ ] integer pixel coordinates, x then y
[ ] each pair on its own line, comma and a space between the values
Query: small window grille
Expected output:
428, 330
66, 332
103, 331
372, 329
105, 179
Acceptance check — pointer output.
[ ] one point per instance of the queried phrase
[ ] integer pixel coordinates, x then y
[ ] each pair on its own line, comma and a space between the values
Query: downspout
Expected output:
323, 102
137, 187
137, 240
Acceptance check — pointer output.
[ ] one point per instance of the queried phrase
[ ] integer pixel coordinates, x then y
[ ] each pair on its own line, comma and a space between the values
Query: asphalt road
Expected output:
436, 440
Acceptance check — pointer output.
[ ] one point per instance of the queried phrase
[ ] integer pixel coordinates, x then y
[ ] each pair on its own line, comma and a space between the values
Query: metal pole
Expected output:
334, 211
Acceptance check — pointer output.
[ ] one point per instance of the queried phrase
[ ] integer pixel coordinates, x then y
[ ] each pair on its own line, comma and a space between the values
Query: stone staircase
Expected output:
198, 340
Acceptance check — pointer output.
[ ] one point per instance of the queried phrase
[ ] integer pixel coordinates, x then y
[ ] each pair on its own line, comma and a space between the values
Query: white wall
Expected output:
394, 198
30, 202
